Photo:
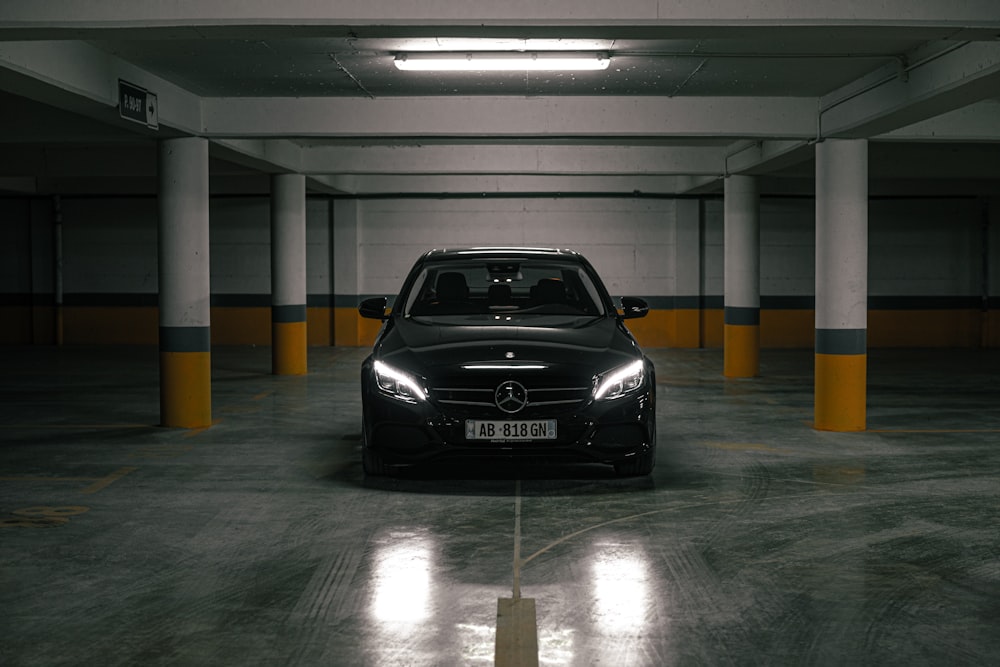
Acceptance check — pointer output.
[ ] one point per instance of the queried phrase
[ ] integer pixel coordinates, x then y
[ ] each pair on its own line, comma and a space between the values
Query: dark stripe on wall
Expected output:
354, 300
788, 302
25, 299
185, 339
111, 299
742, 316
680, 302
841, 341
241, 300
286, 314
924, 302
319, 300
264, 300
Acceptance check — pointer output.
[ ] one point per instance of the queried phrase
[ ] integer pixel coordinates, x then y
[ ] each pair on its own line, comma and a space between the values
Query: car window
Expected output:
503, 286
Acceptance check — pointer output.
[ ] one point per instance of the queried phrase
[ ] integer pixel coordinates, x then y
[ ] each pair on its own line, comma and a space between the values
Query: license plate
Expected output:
534, 429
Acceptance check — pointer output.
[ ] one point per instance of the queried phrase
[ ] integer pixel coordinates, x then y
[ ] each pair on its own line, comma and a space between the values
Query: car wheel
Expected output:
372, 463
640, 464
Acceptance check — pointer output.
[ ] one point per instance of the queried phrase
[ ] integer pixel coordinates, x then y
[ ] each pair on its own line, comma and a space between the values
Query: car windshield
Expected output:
491, 286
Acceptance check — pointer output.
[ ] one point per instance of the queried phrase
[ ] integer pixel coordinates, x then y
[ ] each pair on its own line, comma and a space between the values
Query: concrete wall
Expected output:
926, 268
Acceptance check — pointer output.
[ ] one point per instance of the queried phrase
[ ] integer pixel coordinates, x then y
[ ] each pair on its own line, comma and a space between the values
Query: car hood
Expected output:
576, 345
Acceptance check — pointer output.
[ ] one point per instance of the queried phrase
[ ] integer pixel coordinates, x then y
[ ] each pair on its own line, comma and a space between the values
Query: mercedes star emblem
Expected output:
511, 396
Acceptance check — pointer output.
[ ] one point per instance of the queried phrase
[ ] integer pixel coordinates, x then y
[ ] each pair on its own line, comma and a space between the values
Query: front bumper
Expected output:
597, 431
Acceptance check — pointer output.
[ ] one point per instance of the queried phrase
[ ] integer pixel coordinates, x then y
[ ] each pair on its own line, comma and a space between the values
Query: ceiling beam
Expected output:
512, 159
75, 15
755, 157
275, 156
487, 184
517, 117
77, 77
941, 78
978, 122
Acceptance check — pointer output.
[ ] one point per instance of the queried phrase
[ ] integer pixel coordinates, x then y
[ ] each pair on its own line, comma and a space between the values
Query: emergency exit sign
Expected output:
137, 104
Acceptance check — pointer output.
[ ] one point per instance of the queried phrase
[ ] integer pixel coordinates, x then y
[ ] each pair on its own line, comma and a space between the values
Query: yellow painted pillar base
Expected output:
186, 389
741, 350
841, 392
289, 341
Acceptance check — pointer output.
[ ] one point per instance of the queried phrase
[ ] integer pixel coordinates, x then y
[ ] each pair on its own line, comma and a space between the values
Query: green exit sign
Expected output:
137, 104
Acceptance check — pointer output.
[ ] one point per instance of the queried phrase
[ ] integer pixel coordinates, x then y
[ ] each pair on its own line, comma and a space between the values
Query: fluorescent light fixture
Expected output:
481, 61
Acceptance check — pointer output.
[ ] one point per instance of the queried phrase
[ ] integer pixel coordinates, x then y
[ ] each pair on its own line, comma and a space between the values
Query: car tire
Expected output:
640, 464
637, 466
372, 463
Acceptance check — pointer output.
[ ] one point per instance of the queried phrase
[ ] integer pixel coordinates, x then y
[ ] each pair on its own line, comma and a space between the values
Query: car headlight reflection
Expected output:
620, 381
397, 384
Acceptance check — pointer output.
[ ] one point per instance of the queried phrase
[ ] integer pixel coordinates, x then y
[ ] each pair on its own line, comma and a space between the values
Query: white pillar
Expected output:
184, 290
841, 284
741, 342
289, 336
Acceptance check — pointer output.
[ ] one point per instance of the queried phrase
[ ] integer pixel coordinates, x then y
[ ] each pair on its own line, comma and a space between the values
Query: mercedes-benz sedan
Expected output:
511, 352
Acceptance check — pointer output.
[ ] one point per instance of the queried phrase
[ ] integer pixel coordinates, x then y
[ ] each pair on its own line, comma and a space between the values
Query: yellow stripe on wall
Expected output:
240, 325
991, 329
320, 325
289, 348
925, 328
17, 325
788, 329
102, 325
657, 329
742, 350
687, 330
712, 326
186, 389
841, 392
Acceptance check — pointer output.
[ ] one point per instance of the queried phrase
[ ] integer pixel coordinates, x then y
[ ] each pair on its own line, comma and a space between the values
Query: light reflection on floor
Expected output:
621, 588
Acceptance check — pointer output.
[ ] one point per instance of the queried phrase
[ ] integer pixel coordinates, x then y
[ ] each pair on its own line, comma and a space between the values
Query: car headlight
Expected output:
619, 381
397, 384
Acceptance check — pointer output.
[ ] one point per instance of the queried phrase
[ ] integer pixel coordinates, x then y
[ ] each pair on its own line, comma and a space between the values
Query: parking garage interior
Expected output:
195, 197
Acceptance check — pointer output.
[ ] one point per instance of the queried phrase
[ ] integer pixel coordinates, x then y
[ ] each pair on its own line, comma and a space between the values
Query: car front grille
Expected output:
542, 399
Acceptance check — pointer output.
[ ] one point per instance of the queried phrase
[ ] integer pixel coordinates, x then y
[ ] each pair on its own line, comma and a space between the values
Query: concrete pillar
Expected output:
741, 333
841, 284
185, 337
289, 337
688, 253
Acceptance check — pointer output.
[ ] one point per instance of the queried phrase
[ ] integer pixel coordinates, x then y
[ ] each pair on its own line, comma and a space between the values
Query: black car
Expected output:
512, 352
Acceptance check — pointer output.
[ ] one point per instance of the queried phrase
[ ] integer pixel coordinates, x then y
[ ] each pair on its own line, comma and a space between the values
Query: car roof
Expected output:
503, 251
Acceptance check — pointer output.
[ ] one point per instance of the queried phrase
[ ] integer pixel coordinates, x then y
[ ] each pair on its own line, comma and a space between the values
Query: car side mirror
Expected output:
633, 307
374, 308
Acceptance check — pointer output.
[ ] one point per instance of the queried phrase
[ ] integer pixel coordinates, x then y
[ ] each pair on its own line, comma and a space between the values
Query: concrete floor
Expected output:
259, 542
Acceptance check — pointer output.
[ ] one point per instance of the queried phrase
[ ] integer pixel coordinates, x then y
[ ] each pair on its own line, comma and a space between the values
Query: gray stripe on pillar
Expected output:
286, 314
841, 341
185, 339
742, 316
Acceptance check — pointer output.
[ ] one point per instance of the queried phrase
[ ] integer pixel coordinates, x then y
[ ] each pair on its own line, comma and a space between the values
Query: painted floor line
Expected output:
105, 482
517, 624
517, 633
44, 478
78, 426
517, 540
97, 483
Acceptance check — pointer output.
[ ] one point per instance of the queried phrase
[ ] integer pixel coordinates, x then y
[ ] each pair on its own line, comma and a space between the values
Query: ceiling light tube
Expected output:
478, 61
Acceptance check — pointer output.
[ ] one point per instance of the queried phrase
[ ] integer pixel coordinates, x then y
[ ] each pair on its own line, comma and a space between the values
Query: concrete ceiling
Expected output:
695, 90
